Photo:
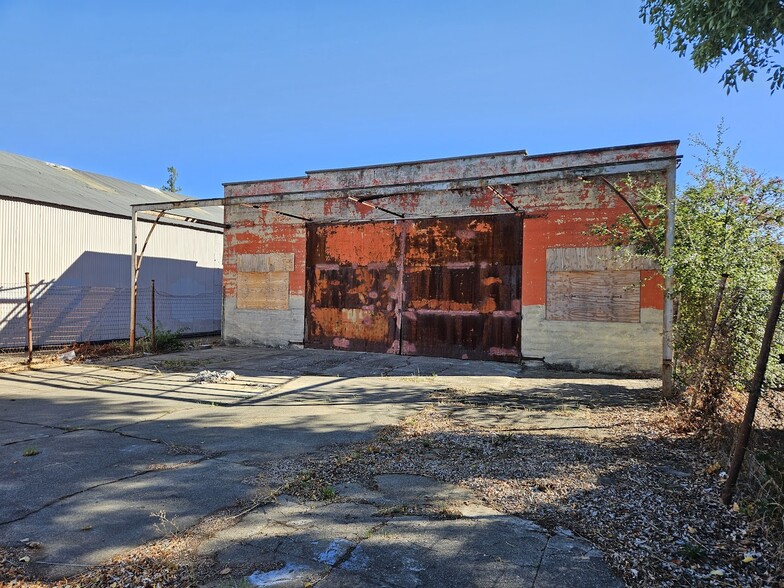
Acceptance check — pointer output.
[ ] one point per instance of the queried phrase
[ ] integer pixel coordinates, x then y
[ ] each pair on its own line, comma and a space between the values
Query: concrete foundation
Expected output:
594, 346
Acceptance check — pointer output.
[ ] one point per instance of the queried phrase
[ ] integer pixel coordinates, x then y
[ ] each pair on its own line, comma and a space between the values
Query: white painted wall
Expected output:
79, 264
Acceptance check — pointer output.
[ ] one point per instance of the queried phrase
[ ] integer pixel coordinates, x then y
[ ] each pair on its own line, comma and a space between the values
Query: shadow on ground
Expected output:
100, 459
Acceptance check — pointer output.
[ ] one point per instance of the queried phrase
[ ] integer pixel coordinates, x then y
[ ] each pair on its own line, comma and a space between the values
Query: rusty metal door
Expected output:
437, 287
462, 288
352, 286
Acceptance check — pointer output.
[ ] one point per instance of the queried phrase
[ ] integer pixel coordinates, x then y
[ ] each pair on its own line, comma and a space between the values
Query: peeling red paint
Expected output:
484, 200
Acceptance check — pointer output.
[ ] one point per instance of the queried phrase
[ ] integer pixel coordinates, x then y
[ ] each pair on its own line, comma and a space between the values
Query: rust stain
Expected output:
430, 243
491, 281
488, 305
350, 323
416, 287
436, 304
364, 279
359, 244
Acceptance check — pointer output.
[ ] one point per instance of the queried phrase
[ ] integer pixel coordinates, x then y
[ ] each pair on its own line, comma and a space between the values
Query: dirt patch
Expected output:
96, 353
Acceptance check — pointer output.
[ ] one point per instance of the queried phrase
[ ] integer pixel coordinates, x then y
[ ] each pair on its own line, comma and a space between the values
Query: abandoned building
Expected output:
477, 257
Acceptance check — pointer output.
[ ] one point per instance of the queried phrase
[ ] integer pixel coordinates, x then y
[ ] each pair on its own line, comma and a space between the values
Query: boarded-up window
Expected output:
594, 296
263, 281
593, 284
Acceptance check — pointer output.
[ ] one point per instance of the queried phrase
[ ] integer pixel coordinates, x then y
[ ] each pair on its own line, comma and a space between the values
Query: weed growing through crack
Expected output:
164, 525
30, 452
501, 439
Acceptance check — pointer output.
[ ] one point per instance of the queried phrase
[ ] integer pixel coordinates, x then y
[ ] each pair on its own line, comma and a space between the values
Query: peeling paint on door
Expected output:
439, 287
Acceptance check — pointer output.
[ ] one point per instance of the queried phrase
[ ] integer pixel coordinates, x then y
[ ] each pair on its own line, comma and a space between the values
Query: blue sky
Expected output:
232, 91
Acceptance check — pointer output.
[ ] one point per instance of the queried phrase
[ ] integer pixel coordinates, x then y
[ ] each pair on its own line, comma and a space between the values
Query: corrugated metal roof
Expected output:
57, 185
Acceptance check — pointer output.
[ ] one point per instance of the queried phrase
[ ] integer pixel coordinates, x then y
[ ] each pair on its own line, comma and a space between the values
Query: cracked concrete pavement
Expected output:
126, 452
368, 538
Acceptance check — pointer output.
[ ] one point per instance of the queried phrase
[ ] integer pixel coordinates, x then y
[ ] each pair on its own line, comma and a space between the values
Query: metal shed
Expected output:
69, 229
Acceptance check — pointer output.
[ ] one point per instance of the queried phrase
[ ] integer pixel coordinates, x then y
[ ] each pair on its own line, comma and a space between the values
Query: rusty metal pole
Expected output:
29, 319
755, 389
134, 276
667, 320
152, 296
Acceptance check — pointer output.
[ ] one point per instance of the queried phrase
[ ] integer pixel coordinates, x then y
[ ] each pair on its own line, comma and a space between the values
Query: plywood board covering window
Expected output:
257, 290
593, 284
594, 296
263, 281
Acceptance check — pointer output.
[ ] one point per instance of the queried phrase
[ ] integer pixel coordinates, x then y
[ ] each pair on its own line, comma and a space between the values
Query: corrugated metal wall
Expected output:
79, 265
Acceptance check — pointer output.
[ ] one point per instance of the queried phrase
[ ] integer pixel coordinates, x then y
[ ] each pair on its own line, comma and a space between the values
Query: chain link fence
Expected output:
63, 315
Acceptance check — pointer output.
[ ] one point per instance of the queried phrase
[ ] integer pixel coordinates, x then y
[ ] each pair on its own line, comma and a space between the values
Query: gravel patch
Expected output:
647, 496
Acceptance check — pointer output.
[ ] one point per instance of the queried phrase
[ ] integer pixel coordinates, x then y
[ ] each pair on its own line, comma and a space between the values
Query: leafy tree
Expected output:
171, 183
729, 220
710, 30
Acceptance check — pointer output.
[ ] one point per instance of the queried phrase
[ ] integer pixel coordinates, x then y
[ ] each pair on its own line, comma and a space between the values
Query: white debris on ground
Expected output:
67, 356
283, 576
210, 377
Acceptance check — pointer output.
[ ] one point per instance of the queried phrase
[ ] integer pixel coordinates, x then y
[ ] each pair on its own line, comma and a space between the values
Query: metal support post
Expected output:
152, 296
134, 277
29, 319
667, 321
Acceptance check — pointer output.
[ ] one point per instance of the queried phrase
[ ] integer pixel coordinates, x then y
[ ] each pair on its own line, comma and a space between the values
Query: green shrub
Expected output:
165, 339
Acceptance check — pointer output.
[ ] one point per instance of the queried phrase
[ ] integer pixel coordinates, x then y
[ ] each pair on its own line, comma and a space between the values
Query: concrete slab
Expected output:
92, 526
70, 463
64, 401
351, 544
119, 443
20, 433
419, 491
